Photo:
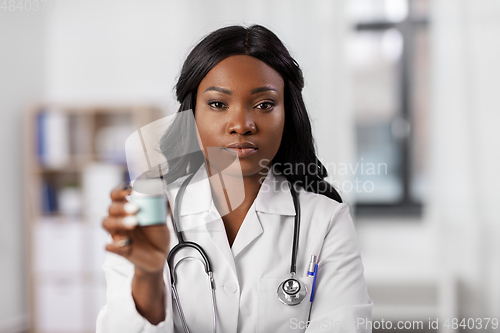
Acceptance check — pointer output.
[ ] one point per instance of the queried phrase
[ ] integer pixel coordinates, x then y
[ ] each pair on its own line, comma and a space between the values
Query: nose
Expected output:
241, 122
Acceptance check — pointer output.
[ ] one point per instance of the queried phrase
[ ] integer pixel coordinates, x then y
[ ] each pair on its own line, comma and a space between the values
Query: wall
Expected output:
130, 50
21, 80
464, 154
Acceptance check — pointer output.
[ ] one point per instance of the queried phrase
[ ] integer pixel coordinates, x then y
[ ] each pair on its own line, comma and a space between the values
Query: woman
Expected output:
245, 90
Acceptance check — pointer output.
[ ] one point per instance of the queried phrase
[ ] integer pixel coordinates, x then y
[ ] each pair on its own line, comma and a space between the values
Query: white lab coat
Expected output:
248, 274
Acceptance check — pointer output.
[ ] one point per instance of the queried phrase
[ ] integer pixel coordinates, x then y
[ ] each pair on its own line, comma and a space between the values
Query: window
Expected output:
389, 57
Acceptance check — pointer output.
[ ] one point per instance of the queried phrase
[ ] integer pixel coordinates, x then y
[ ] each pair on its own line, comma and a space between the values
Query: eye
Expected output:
216, 104
268, 105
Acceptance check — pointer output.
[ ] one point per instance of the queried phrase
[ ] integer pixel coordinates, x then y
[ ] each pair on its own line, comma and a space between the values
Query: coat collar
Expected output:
274, 196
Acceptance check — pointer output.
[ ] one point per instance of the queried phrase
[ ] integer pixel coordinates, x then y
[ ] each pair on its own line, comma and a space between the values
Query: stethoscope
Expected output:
290, 292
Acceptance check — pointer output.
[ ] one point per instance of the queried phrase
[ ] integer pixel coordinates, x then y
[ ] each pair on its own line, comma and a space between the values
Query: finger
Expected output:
120, 246
120, 192
123, 208
169, 210
118, 235
120, 225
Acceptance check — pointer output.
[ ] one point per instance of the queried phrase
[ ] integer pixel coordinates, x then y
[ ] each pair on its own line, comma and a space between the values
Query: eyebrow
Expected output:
227, 92
262, 89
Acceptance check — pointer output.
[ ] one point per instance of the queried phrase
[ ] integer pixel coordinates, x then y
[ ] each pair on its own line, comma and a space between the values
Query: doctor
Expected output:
245, 90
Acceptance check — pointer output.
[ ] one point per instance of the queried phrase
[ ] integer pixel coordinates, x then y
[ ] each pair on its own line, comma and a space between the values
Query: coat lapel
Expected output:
250, 229
200, 216
274, 197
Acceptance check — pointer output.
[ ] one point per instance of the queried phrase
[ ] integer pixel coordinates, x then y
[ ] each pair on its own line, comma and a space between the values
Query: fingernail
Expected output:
124, 242
130, 208
130, 221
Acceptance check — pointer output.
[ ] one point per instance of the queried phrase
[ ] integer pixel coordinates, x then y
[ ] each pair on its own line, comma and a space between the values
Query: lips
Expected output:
241, 149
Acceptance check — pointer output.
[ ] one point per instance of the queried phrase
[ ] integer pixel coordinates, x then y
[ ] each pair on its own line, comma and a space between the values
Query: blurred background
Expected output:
403, 96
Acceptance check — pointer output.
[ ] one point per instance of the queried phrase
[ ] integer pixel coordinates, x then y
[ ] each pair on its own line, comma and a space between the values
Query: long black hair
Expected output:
296, 157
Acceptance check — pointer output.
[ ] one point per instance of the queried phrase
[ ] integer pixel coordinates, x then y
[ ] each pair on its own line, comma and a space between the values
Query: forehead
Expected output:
242, 72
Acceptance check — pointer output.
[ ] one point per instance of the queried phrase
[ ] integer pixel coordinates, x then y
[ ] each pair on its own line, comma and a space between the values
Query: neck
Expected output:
231, 185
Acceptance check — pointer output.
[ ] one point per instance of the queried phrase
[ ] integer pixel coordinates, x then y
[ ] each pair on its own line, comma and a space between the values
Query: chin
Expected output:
241, 168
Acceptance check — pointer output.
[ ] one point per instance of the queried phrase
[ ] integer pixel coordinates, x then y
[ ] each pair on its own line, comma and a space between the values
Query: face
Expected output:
240, 111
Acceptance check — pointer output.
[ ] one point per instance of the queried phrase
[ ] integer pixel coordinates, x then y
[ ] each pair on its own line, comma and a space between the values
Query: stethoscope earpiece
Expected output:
292, 292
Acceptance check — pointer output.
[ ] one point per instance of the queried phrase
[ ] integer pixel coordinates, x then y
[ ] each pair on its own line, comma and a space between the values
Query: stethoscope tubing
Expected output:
207, 266
182, 243
296, 231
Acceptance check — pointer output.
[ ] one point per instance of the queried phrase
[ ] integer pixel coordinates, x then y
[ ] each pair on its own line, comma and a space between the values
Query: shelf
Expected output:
74, 156
76, 165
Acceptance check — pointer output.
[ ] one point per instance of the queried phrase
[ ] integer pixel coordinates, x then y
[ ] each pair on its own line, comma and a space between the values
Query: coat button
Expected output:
230, 287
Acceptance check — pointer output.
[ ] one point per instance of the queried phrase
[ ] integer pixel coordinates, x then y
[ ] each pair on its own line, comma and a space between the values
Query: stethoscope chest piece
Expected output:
292, 292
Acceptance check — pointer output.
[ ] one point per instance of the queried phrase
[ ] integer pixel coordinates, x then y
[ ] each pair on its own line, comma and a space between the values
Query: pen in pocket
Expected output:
313, 272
